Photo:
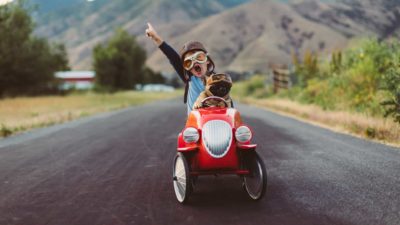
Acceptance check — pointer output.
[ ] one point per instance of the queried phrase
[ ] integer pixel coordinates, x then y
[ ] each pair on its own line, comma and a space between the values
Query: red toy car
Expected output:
215, 141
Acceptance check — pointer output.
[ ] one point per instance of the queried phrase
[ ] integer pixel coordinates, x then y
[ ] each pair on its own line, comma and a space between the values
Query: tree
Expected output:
306, 70
27, 63
150, 77
392, 85
336, 62
119, 64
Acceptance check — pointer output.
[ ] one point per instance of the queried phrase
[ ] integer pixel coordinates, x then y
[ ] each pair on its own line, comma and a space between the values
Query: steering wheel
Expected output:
218, 99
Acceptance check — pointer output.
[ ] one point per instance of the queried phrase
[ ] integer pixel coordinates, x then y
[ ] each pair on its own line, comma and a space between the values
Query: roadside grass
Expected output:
365, 124
380, 129
25, 113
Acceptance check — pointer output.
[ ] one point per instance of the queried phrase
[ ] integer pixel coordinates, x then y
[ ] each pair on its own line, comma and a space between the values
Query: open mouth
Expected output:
197, 68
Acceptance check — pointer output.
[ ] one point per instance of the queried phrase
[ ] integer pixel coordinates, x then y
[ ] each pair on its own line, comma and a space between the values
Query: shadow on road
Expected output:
222, 200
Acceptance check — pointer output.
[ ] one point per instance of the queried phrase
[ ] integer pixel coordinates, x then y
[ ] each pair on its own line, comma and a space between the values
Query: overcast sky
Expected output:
2, 2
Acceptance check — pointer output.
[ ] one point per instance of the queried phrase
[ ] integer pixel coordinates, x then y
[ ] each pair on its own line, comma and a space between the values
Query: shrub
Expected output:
255, 84
5, 131
392, 86
306, 70
336, 62
320, 93
358, 78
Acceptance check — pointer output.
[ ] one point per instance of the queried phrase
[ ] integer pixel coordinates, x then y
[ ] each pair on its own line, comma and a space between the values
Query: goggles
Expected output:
200, 57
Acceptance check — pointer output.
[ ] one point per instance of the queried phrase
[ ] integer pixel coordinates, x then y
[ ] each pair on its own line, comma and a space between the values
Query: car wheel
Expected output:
181, 178
255, 183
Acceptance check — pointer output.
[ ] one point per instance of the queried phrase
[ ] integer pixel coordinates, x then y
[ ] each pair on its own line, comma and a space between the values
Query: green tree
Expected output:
151, 77
27, 63
336, 62
119, 63
392, 85
306, 70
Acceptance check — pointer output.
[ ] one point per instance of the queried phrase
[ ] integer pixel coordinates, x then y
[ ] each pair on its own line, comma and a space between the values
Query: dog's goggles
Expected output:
200, 57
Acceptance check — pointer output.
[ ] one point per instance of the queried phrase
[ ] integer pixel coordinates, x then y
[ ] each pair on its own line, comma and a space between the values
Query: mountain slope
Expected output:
241, 35
254, 35
83, 25
352, 17
257, 34
46, 6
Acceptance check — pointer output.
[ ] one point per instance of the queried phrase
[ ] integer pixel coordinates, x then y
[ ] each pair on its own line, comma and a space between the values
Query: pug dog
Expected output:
216, 85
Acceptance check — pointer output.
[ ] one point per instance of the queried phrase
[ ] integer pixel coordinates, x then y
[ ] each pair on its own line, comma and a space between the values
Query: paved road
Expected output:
116, 169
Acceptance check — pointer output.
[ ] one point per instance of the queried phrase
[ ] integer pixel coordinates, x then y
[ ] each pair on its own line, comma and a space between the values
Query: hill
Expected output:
83, 25
46, 6
252, 36
355, 17
241, 35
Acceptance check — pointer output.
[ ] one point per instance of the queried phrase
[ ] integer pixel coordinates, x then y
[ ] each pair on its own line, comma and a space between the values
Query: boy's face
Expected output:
196, 62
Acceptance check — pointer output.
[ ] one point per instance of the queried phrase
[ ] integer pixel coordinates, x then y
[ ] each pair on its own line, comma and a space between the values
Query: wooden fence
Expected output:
281, 78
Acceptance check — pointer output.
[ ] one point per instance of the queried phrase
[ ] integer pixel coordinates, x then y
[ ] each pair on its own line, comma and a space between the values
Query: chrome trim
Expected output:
217, 137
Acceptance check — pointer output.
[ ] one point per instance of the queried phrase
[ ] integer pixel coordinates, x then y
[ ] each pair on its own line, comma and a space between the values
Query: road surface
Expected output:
115, 168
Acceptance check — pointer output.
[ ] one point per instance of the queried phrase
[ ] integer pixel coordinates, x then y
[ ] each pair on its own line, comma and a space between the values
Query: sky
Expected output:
2, 2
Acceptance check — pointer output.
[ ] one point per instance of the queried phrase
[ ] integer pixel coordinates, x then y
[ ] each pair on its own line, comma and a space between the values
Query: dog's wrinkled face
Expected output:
220, 89
219, 85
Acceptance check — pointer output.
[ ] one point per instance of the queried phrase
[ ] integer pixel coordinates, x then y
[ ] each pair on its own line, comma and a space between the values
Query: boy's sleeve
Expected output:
173, 58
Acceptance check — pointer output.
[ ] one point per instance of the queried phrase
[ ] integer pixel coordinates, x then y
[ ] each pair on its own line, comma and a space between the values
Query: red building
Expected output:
80, 80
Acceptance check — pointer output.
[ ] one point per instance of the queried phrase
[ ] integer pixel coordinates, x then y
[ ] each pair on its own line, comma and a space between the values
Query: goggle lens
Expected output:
189, 61
187, 64
201, 57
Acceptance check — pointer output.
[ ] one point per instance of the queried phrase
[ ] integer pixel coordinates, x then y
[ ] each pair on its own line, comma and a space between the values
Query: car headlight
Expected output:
191, 135
243, 134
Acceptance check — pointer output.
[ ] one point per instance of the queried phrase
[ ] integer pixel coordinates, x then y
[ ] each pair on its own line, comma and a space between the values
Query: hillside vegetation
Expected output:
359, 78
357, 89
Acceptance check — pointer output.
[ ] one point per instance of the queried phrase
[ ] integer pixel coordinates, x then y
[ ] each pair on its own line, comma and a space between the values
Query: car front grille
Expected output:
217, 137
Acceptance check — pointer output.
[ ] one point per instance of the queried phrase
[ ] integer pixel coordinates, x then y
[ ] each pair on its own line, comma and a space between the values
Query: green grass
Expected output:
25, 113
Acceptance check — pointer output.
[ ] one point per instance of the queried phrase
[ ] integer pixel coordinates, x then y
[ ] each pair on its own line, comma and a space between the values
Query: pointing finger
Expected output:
150, 26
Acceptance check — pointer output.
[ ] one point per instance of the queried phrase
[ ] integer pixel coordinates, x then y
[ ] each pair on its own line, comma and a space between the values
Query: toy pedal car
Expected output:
215, 141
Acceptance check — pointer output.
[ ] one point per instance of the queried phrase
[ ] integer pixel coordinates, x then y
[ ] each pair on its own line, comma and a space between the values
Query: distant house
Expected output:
80, 80
157, 88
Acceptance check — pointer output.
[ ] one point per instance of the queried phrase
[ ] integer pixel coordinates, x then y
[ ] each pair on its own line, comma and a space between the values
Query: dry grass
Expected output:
21, 114
378, 129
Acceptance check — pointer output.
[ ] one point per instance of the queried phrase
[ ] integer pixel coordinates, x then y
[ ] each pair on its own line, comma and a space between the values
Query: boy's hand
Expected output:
151, 33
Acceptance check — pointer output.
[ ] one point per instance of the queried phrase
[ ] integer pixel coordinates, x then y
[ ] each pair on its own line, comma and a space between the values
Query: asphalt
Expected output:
116, 168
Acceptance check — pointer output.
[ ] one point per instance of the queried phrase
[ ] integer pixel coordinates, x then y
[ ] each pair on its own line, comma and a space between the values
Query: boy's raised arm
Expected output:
168, 51
151, 33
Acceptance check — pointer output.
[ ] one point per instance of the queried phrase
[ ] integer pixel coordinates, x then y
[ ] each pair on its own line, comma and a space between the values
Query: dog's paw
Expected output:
197, 105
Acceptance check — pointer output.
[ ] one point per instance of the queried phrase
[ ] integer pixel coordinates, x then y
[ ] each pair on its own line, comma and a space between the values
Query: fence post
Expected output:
280, 77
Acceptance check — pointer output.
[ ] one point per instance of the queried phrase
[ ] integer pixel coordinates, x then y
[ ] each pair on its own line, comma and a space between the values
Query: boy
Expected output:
193, 65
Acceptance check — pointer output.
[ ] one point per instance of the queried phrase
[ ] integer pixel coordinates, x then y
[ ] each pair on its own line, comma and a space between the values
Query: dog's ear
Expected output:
208, 80
208, 91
